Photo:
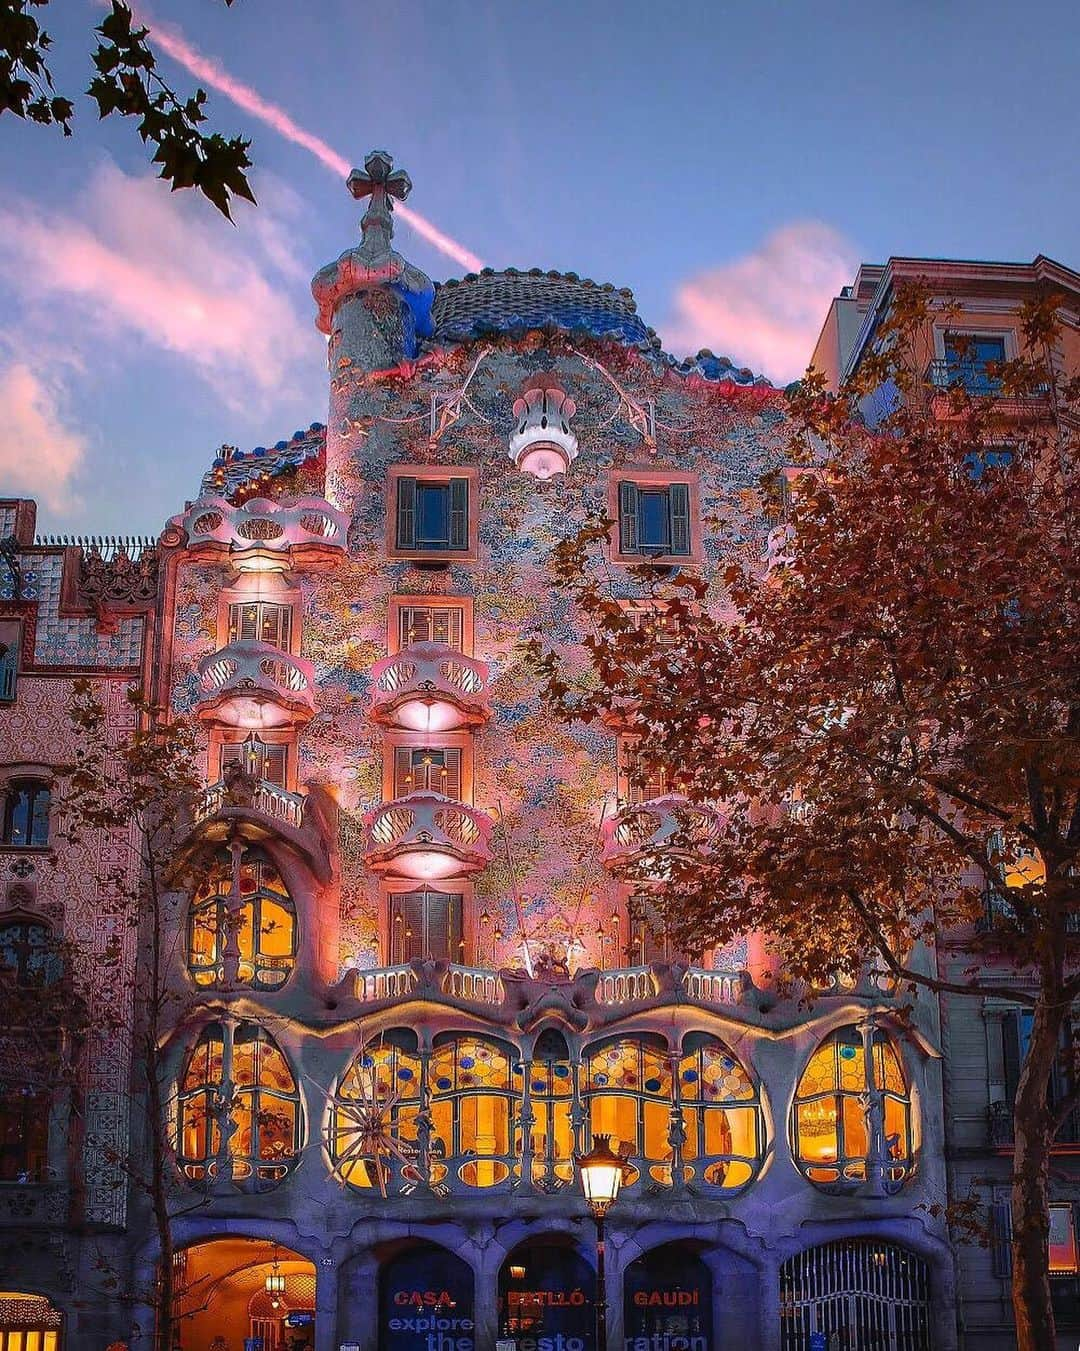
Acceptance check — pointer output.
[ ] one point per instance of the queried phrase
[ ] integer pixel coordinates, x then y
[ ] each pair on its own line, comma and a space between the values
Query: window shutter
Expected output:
1011, 1053
406, 513
450, 784
274, 758
628, 517
459, 513
1001, 1238
679, 509
404, 779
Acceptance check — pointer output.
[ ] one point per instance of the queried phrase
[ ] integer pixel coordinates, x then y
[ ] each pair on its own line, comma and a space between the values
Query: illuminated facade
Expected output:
410, 979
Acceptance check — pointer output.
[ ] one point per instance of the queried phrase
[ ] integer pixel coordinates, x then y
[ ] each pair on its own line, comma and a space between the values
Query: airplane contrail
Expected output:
211, 72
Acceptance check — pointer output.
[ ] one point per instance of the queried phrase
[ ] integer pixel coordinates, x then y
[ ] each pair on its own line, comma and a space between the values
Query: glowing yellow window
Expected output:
830, 1136
373, 1123
473, 1102
255, 903
628, 1094
551, 1090
721, 1110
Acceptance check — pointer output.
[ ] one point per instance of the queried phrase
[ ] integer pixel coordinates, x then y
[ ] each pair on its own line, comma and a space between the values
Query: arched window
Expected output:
373, 1124
258, 1140
254, 904
24, 1134
830, 1135
26, 814
29, 953
473, 1100
628, 1094
721, 1108
28, 1323
551, 1092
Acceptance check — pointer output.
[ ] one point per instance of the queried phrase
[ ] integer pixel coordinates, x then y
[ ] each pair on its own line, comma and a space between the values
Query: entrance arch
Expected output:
547, 1289
222, 1292
668, 1301
426, 1300
874, 1294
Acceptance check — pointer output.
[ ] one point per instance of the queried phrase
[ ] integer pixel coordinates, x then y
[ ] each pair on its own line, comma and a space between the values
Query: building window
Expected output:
26, 814
1016, 1034
829, 1118
24, 1135
251, 902
375, 1109
654, 519
425, 924
473, 1102
627, 1092
650, 935
427, 770
721, 1109
29, 953
551, 1091
640, 782
968, 357
257, 758
261, 621
10, 640
28, 1323
431, 514
431, 624
238, 1078
1064, 1253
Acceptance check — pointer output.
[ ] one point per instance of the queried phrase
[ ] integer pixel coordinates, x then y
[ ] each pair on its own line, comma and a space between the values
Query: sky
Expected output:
731, 163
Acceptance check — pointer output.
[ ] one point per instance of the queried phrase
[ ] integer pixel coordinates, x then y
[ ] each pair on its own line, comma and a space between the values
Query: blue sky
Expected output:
730, 163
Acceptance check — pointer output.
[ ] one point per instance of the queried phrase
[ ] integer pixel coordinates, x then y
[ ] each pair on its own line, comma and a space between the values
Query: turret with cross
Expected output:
384, 184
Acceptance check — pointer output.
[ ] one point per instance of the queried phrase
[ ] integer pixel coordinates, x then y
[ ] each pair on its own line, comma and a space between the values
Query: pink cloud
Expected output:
213, 73
132, 259
38, 453
765, 310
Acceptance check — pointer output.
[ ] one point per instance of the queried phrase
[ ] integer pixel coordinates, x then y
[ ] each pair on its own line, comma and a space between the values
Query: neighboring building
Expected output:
411, 983
67, 610
976, 322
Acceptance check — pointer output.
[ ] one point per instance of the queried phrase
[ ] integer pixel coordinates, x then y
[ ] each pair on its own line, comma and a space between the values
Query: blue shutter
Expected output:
1001, 1239
628, 517
679, 509
459, 513
406, 513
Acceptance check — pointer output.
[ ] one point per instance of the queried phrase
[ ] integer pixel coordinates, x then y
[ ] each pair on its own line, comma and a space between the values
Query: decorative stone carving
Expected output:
542, 443
120, 579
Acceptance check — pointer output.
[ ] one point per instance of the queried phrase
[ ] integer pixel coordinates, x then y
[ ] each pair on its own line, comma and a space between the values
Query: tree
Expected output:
908, 670
127, 83
141, 787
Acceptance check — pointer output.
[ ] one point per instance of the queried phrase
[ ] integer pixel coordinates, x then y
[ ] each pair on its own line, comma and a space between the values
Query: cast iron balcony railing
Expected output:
429, 687
976, 379
664, 825
254, 684
426, 837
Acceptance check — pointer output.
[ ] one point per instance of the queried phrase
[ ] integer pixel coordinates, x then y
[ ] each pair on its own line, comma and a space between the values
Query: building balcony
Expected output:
664, 825
426, 837
976, 381
429, 687
255, 685
263, 534
256, 810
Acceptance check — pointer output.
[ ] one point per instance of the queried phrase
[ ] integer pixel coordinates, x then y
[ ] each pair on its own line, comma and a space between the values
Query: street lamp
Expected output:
601, 1172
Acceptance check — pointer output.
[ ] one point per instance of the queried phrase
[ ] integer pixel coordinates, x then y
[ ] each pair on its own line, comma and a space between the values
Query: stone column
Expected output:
326, 1306
486, 1295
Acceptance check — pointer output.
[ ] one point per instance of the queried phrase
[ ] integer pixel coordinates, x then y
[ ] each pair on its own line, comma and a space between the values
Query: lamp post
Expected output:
601, 1172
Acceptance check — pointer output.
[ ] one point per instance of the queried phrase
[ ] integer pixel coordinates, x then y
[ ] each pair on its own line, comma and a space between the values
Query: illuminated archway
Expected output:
221, 1291
29, 1323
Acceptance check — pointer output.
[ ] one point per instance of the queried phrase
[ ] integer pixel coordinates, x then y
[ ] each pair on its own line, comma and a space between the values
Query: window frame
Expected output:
216, 903
271, 740
1003, 332
11, 661
400, 605
12, 787
286, 614
461, 742
432, 474
651, 480
395, 897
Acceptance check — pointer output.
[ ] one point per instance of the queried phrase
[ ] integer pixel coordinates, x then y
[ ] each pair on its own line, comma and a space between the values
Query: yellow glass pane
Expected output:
718, 1134
852, 1064
887, 1068
277, 1127
243, 1137
484, 1124
657, 1122
733, 1174
274, 1070
896, 1128
855, 1138
820, 1073
244, 936
816, 1130
15, 1341
204, 930
33, 1341
50, 1342
617, 1117
442, 1137
276, 930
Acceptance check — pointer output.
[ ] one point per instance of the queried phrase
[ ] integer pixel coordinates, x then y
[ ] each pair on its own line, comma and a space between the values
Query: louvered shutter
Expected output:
406, 513
274, 765
404, 778
1011, 1054
459, 513
628, 517
679, 512
1001, 1238
450, 782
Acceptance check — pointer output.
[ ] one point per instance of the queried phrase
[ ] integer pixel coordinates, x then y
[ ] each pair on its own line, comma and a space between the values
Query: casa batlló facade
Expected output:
412, 983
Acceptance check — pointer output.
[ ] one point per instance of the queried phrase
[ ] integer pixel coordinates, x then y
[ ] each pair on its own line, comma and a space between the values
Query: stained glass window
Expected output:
474, 1097
721, 1109
627, 1091
829, 1120
262, 914
551, 1090
373, 1125
29, 953
238, 1064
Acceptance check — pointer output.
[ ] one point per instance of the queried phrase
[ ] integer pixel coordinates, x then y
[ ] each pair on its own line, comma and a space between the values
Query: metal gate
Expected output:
862, 1294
